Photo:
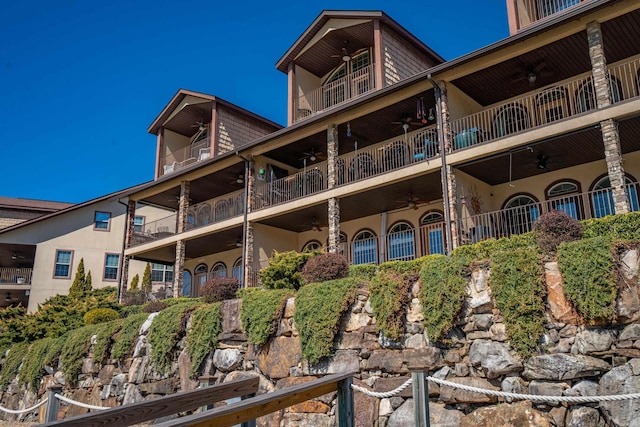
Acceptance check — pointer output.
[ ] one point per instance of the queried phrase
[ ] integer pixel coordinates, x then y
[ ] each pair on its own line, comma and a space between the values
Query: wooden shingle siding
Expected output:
235, 130
400, 59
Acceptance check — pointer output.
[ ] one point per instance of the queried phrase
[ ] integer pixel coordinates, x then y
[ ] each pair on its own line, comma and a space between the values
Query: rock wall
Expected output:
576, 361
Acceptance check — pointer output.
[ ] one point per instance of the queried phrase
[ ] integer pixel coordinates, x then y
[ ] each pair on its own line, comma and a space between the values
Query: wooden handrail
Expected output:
255, 407
167, 405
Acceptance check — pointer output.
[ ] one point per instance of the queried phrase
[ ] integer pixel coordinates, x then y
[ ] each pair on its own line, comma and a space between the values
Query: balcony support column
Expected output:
447, 173
124, 260
333, 205
181, 226
609, 128
247, 227
248, 255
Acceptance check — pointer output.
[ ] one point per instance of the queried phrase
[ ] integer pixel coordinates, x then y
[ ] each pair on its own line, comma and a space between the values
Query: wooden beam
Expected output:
168, 405
261, 405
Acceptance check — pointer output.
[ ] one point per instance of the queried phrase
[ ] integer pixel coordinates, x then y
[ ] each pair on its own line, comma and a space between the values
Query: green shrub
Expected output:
202, 337
261, 312
79, 281
319, 307
134, 297
618, 227
167, 328
12, 363
219, 289
134, 282
442, 294
130, 310
517, 284
363, 272
154, 307
402, 267
100, 315
104, 339
124, 340
324, 267
75, 348
589, 279
389, 297
34, 361
555, 227
284, 270
485, 249
146, 284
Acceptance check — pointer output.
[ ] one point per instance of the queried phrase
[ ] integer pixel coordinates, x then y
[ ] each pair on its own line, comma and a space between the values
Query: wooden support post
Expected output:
206, 381
345, 403
420, 398
53, 404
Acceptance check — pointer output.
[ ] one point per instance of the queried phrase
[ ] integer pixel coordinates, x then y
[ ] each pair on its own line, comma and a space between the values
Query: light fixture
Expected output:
240, 179
346, 57
412, 204
312, 157
238, 243
463, 200
315, 225
8, 297
14, 256
431, 116
261, 174
348, 129
532, 77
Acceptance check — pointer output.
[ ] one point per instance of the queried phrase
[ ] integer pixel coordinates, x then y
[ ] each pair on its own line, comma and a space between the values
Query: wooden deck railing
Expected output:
17, 276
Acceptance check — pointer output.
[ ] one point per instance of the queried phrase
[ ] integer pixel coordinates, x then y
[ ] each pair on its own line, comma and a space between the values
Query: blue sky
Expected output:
80, 81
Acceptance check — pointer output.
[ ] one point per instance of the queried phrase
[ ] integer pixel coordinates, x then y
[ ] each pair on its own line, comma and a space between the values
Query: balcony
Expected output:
196, 152
15, 276
530, 11
519, 220
374, 160
335, 93
544, 106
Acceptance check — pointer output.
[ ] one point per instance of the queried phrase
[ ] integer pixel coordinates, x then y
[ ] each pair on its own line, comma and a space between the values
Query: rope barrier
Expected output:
80, 404
22, 411
514, 396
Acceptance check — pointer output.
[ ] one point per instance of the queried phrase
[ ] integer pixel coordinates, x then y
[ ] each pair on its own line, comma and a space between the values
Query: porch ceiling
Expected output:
318, 58
17, 256
375, 201
562, 59
183, 122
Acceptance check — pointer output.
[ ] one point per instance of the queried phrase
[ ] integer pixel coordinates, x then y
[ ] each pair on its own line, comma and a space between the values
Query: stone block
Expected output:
560, 308
585, 417
519, 414
279, 356
386, 360
450, 394
593, 340
620, 380
166, 386
494, 357
631, 332
230, 314
365, 407
357, 321
294, 419
144, 328
342, 361
290, 307
414, 312
383, 385
425, 358
558, 367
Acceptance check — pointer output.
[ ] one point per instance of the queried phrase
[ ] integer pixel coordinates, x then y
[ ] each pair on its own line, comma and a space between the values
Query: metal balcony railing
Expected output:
335, 93
519, 220
15, 276
215, 210
155, 230
196, 152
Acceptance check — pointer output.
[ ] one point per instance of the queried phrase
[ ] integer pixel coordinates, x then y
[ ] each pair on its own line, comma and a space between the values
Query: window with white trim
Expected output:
62, 268
101, 220
138, 224
111, 264
161, 273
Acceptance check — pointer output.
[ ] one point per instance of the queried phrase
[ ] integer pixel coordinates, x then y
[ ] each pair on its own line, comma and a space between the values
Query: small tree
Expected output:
79, 281
134, 282
87, 282
146, 279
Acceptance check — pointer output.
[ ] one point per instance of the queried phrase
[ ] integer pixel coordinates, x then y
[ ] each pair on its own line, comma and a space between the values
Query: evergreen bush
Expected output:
261, 312
134, 282
324, 267
202, 337
555, 227
79, 280
618, 227
219, 289
147, 284
284, 270
100, 315
154, 307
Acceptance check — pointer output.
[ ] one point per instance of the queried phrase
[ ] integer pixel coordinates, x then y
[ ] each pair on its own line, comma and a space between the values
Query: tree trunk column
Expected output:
181, 226
609, 128
333, 206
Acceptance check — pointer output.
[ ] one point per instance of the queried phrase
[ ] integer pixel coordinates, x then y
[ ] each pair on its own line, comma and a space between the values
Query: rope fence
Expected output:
23, 411
80, 404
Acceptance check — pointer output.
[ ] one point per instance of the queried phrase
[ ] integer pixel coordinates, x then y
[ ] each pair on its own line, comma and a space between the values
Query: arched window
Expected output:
200, 277
563, 196
191, 219
396, 155
237, 270
602, 197
221, 210
552, 105
204, 215
311, 246
401, 242
432, 234
519, 213
345, 82
585, 97
364, 248
510, 119
218, 270
334, 87
186, 283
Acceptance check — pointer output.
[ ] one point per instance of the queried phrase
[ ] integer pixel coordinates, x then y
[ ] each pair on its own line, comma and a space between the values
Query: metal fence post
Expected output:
420, 398
53, 404
345, 403
206, 381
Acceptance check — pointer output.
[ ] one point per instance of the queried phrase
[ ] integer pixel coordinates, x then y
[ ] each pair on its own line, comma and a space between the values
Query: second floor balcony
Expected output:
179, 158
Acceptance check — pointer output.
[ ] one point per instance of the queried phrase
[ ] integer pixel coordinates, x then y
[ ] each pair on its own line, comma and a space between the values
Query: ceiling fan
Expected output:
412, 202
315, 225
313, 155
344, 54
237, 243
532, 74
238, 179
199, 124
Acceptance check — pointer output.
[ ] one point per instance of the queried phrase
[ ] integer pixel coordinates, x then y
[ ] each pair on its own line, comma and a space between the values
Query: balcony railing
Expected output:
216, 210
335, 93
196, 152
545, 106
15, 276
374, 160
536, 10
155, 230
519, 220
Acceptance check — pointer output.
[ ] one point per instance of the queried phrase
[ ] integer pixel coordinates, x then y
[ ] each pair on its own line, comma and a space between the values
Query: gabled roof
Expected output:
326, 15
179, 97
32, 204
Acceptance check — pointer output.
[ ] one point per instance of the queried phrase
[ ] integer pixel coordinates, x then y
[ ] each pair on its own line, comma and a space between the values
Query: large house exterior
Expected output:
391, 153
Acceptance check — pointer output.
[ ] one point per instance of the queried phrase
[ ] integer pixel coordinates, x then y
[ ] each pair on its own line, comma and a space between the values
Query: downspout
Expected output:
124, 241
244, 220
443, 156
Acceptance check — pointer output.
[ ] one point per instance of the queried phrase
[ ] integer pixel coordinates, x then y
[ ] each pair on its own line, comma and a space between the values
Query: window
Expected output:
311, 246
364, 248
218, 270
186, 283
161, 273
237, 270
602, 197
510, 119
222, 210
138, 224
101, 220
401, 238
585, 99
111, 264
563, 201
519, 214
62, 269
432, 232
552, 105
200, 277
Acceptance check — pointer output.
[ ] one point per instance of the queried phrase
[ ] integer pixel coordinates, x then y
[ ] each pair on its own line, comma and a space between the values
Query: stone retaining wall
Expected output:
576, 361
